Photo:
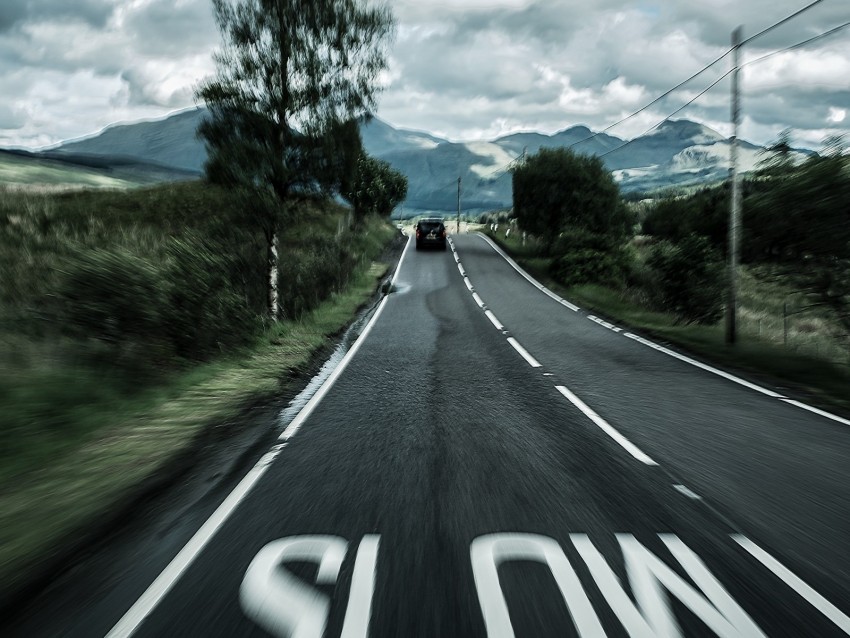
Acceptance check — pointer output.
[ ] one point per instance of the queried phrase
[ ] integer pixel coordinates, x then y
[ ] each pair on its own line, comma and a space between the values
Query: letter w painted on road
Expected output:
651, 617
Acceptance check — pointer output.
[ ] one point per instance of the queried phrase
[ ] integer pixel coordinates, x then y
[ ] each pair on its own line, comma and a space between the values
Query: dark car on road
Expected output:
431, 231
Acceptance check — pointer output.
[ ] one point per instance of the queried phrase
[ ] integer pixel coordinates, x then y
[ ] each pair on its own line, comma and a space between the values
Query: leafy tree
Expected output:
291, 78
704, 213
584, 257
777, 158
688, 279
556, 189
377, 188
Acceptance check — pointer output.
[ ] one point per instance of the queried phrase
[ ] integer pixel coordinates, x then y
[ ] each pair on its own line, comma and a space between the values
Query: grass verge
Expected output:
128, 440
821, 382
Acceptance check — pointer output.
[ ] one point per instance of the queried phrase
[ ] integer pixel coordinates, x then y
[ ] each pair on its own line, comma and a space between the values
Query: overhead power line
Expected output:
681, 108
655, 101
502, 168
781, 22
729, 72
678, 86
800, 44
704, 69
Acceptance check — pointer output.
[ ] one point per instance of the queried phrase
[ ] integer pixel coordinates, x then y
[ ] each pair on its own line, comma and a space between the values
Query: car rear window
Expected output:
429, 226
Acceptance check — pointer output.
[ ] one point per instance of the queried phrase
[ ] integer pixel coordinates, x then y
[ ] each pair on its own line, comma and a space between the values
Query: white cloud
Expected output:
836, 115
463, 69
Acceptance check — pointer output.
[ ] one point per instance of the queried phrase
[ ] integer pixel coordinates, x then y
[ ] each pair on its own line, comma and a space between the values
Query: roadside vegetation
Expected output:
132, 321
660, 266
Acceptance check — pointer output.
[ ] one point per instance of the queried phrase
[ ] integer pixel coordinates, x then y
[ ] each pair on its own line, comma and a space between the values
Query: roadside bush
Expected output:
584, 257
687, 279
204, 312
111, 294
309, 274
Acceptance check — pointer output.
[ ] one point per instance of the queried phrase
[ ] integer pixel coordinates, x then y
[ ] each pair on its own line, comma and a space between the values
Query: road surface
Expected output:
490, 460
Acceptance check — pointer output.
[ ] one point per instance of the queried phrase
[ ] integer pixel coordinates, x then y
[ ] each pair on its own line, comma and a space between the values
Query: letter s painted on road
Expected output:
285, 606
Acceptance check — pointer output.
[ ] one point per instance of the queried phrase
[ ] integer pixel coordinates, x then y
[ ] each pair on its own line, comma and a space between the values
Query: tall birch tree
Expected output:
292, 79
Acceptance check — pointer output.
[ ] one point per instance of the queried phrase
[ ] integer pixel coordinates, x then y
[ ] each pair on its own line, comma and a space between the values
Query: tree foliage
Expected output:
688, 279
292, 78
573, 204
290, 74
556, 189
377, 187
794, 217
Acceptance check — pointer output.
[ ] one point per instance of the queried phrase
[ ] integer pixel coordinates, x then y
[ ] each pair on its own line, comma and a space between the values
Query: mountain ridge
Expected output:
677, 152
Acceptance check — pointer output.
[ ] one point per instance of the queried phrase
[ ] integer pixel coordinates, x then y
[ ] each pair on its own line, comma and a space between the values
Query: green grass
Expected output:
30, 172
121, 442
78, 437
820, 372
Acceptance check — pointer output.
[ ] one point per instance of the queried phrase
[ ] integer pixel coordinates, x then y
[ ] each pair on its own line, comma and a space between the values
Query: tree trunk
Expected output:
274, 292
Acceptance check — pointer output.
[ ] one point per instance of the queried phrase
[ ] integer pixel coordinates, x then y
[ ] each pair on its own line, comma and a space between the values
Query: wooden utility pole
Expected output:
458, 205
735, 205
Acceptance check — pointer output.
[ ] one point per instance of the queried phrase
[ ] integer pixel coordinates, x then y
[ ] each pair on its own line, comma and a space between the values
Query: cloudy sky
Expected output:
462, 69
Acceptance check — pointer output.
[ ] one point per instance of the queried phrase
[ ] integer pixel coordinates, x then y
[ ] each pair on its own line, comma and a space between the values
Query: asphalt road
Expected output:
490, 461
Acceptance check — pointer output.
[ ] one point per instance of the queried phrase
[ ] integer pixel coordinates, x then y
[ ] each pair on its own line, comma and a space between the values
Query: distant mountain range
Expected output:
678, 152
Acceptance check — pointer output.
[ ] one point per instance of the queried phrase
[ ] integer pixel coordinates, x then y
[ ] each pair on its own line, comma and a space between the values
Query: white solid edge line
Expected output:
305, 412
141, 609
667, 351
823, 413
796, 583
627, 445
528, 277
524, 353
703, 366
493, 320
147, 602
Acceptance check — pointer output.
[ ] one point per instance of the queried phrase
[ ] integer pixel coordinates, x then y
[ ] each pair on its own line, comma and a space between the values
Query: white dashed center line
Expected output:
531, 360
627, 445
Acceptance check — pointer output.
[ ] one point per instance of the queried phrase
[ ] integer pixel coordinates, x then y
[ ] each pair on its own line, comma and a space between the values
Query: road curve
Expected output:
490, 461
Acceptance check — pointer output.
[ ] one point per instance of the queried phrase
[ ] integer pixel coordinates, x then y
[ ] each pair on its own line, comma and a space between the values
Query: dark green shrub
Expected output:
309, 274
204, 312
688, 279
111, 295
584, 257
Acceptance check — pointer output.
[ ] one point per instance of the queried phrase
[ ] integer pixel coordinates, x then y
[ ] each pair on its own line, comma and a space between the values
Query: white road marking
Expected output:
708, 368
133, 618
647, 342
157, 590
359, 611
687, 492
796, 583
606, 427
653, 615
493, 320
478, 300
524, 353
823, 413
604, 323
488, 552
282, 604
461, 270
528, 277
468, 284
299, 419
